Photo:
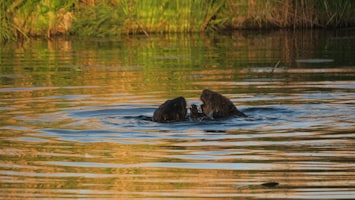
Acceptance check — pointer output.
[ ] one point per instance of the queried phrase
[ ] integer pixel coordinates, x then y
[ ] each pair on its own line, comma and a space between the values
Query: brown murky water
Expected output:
72, 117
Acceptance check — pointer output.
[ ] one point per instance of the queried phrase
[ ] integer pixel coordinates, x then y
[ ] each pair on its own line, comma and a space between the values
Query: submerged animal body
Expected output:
171, 111
217, 106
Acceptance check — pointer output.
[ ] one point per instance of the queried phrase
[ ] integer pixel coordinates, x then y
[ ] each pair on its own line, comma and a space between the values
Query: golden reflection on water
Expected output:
34, 166
70, 121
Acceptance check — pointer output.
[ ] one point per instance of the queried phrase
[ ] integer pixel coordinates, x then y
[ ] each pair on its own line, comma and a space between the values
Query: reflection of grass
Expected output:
174, 65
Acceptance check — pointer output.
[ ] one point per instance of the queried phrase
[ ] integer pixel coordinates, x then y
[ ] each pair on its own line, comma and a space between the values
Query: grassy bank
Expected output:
46, 18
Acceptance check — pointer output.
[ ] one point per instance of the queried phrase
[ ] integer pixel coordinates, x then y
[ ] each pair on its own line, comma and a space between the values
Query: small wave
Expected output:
96, 111
315, 60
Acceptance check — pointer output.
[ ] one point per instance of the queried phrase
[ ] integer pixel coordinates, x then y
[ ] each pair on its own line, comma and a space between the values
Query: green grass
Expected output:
45, 18
293, 13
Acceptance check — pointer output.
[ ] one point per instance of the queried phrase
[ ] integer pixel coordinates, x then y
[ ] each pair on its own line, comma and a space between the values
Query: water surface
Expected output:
72, 117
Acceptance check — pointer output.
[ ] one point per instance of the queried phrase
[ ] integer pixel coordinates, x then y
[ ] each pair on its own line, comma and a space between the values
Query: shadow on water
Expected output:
73, 117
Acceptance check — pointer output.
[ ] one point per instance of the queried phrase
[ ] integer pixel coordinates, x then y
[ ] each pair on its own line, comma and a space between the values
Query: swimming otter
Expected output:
214, 106
217, 106
171, 111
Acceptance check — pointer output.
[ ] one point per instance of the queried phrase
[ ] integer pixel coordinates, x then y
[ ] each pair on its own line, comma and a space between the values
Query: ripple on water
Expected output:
78, 128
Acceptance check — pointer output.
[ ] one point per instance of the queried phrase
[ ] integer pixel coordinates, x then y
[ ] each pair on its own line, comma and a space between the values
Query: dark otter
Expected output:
214, 106
217, 106
171, 111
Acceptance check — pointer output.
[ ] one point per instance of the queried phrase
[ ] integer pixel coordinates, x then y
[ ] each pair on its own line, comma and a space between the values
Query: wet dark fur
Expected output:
171, 111
217, 106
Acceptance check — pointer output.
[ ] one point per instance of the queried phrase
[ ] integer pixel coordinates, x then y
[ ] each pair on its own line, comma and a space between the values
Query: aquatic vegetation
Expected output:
98, 20
129, 16
291, 13
23, 18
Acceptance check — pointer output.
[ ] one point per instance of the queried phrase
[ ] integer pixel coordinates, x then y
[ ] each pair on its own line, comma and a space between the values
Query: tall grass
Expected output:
100, 18
23, 18
8, 28
337, 13
291, 13
136, 16
177, 15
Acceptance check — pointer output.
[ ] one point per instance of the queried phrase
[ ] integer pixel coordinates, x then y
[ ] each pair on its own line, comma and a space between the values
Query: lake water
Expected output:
72, 117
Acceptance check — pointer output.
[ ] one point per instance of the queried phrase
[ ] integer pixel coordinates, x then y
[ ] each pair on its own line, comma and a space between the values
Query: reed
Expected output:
7, 28
336, 13
153, 16
167, 16
23, 18
291, 13
100, 18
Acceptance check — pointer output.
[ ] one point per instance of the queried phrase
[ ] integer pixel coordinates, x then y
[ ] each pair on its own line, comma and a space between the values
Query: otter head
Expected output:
217, 106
